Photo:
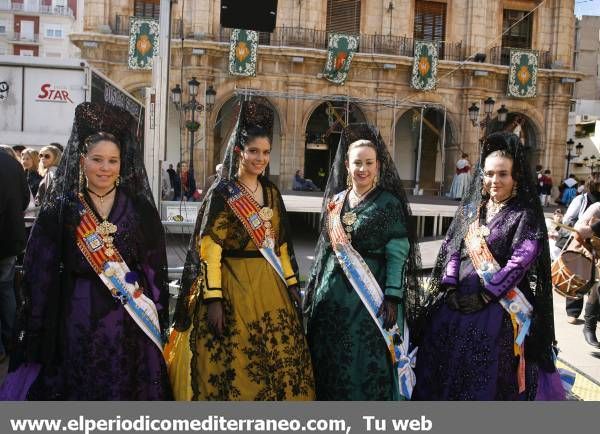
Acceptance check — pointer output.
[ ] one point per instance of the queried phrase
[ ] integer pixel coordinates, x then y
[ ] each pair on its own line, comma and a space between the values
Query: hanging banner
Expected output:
340, 51
143, 42
522, 75
425, 63
242, 52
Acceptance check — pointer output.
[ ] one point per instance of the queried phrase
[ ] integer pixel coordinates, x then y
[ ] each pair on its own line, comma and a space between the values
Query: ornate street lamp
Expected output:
190, 108
211, 93
488, 109
176, 95
502, 113
592, 163
193, 87
569, 156
474, 114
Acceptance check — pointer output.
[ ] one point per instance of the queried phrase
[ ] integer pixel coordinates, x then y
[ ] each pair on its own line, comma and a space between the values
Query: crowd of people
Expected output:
93, 323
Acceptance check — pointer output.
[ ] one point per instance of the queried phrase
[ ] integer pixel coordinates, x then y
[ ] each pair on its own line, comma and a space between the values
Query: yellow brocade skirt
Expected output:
262, 354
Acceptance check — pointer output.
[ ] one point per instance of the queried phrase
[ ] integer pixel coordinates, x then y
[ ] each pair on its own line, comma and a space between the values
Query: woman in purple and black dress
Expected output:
77, 340
490, 331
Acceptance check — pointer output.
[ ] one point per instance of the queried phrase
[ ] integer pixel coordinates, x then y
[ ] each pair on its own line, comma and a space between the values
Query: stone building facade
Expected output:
587, 57
39, 28
308, 110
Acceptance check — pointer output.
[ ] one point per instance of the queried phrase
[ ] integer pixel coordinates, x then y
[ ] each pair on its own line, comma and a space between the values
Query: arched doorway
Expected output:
430, 176
323, 135
529, 133
225, 123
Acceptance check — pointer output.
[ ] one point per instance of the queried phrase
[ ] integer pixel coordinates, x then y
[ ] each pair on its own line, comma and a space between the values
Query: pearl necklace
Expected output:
358, 198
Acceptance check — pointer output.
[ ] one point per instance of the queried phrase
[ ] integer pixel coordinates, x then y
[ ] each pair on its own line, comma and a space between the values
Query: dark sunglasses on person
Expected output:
45, 156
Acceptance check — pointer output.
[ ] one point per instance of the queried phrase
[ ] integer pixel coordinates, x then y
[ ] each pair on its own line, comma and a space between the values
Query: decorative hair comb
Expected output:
92, 118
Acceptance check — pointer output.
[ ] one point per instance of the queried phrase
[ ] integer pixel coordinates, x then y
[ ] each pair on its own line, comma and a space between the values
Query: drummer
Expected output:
587, 227
575, 211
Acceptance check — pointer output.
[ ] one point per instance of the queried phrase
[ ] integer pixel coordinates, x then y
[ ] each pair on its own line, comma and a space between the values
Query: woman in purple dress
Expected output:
490, 331
95, 273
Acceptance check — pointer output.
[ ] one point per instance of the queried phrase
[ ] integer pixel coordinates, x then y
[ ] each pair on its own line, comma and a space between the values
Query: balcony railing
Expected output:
372, 44
501, 56
121, 26
35, 8
24, 38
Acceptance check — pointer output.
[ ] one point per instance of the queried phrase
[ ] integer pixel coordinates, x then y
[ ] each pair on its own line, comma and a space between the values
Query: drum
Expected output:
572, 274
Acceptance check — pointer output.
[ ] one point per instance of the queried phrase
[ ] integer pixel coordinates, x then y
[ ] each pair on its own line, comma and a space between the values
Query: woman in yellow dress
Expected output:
237, 332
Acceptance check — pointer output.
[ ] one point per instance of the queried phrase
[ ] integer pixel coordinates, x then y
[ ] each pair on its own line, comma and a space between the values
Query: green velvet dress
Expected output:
350, 358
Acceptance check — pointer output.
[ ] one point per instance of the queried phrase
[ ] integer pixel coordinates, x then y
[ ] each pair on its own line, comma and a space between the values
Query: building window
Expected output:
343, 16
2, 28
54, 32
26, 53
146, 8
430, 21
517, 29
59, 6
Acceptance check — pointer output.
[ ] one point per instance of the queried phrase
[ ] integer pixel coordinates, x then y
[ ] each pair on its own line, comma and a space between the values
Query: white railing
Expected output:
19, 37
42, 9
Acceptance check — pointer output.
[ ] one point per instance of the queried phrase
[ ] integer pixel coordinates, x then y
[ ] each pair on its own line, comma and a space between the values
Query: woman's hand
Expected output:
216, 318
296, 299
388, 311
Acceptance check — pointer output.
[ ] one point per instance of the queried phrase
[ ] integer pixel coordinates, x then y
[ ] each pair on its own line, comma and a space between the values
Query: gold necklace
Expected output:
494, 208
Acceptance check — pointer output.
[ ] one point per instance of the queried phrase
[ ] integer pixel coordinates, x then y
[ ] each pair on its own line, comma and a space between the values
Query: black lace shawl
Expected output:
389, 181
58, 218
541, 339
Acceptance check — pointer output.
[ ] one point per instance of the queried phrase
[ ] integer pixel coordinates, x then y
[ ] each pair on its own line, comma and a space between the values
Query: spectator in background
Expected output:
322, 175
574, 212
570, 190
175, 182
462, 178
538, 176
8, 151
58, 146
212, 178
18, 149
546, 188
166, 187
188, 182
49, 157
588, 226
581, 187
302, 184
30, 160
14, 197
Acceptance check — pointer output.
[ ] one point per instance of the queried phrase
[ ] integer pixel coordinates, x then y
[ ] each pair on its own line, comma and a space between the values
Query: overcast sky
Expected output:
587, 7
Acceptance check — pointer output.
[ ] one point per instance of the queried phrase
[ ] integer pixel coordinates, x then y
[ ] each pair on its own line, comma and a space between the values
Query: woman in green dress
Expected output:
362, 296
237, 332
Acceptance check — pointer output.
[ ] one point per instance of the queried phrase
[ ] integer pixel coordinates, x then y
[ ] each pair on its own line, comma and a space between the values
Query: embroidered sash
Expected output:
514, 302
364, 283
256, 221
106, 261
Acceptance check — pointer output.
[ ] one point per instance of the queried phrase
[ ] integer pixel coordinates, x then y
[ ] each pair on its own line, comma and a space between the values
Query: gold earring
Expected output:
514, 190
81, 179
349, 181
484, 192
118, 181
375, 180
